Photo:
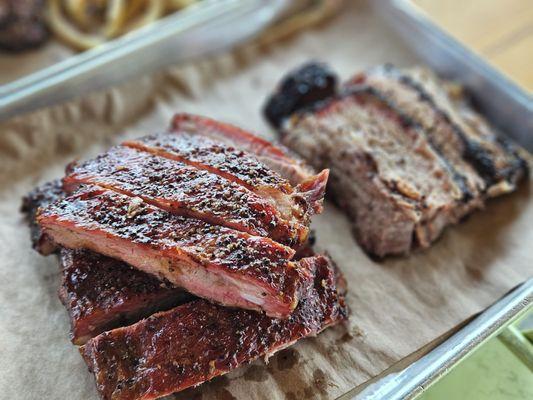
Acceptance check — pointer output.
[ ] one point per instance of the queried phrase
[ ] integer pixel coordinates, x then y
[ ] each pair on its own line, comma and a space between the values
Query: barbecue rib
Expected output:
41, 196
101, 293
185, 190
195, 342
236, 165
277, 157
406, 161
230, 267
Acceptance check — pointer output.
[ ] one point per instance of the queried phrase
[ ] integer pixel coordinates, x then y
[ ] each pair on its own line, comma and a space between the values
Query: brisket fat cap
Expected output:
198, 341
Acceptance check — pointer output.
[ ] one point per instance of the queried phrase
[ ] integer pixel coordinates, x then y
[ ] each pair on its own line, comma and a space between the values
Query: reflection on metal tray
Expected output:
498, 98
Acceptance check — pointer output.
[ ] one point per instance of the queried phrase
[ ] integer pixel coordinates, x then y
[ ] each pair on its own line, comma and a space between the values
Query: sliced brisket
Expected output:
405, 159
364, 139
465, 139
198, 341
230, 267
188, 191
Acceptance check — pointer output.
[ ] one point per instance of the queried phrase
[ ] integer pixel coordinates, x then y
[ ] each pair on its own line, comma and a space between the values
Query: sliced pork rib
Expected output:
101, 293
185, 190
198, 341
277, 157
41, 196
218, 263
405, 160
238, 166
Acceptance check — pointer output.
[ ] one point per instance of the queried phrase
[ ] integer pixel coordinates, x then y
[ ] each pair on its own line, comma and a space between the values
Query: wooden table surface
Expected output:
501, 31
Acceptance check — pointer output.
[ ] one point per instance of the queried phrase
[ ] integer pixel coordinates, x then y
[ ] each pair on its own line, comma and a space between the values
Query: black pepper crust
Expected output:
195, 342
101, 293
219, 158
188, 191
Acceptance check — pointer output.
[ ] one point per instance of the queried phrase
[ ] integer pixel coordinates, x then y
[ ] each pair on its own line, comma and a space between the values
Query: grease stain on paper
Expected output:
256, 373
287, 359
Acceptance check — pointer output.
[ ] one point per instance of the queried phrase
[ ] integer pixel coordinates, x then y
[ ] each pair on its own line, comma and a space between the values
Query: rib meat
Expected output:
195, 342
240, 167
218, 263
185, 190
41, 196
101, 293
277, 157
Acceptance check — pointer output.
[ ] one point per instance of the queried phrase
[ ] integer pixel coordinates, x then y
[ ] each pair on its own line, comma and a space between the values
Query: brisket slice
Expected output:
286, 163
485, 163
441, 135
218, 263
101, 293
383, 170
195, 342
41, 196
240, 167
185, 190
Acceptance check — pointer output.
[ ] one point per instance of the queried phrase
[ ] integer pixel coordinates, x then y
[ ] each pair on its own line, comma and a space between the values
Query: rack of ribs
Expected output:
203, 214
205, 209
195, 342
406, 158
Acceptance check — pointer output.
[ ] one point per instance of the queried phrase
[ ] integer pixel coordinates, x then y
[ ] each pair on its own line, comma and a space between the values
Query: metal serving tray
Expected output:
204, 28
192, 32
417, 377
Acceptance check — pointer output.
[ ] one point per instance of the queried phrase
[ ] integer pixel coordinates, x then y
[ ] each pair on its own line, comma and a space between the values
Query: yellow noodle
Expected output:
115, 18
152, 11
68, 32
